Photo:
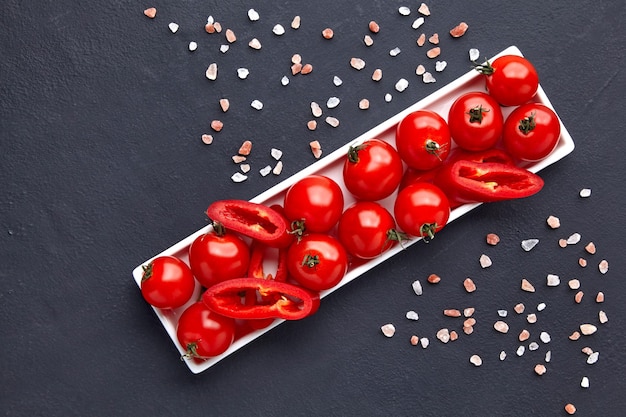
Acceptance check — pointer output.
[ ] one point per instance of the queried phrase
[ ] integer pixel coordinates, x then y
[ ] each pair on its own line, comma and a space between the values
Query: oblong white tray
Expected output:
331, 166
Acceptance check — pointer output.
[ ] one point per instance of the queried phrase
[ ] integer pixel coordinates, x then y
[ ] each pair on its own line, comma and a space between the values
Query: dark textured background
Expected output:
102, 167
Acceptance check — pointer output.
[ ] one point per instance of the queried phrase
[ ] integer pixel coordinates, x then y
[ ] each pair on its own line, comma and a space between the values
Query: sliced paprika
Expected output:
254, 220
279, 300
474, 182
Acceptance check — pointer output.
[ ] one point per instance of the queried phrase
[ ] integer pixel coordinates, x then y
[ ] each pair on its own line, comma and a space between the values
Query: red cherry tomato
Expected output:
366, 229
475, 120
318, 261
423, 139
510, 79
217, 256
167, 282
204, 333
317, 201
372, 170
531, 132
421, 209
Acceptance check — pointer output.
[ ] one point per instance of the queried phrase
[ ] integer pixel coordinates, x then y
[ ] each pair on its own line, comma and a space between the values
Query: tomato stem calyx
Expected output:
311, 261
476, 114
192, 352
353, 152
218, 228
427, 231
147, 272
485, 69
527, 124
298, 228
433, 148
394, 235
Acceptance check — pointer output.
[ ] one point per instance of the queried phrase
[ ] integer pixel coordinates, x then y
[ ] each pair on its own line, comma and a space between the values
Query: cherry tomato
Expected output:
217, 256
372, 170
510, 79
531, 132
366, 229
475, 120
204, 333
421, 209
317, 201
167, 282
318, 261
423, 139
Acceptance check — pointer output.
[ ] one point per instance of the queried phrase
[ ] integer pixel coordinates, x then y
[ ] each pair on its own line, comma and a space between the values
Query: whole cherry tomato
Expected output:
531, 132
423, 139
167, 282
318, 261
421, 209
475, 120
316, 202
217, 256
372, 170
366, 229
510, 79
204, 333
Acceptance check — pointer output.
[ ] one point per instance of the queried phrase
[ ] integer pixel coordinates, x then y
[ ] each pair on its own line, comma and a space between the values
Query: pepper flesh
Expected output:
474, 182
278, 299
254, 220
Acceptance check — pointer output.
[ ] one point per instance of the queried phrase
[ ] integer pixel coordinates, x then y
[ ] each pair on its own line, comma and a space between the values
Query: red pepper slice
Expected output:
489, 155
278, 299
474, 182
254, 220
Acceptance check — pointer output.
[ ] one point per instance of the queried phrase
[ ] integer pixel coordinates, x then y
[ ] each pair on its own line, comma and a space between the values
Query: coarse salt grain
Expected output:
278, 168
373, 27
502, 355
548, 356
327, 33
540, 369
193, 46
364, 104
584, 383
433, 52
377, 75
306, 69
332, 121
265, 170
427, 78
501, 326
276, 153
217, 125
553, 280
563, 243
541, 306
256, 104
414, 340
245, 148
388, 329
401, 85
367, 40
253, 15
420, 70
527, 286
434, 279
503, 313
476, 360
474, 54
545, 337
574, 336
255, 44
316, 149
492, 239
211, 72
284, 80
469, 285
603, 266
424, 9
593, 358
574, 284
295, 23
585, 192
388, 98
316, 109
570, 408
573, 239
243, 73
520, 350
311, 124
173, 27
404, 11
440, 66
531, 318
150, 12
238, 177
452, 312
459, 30
333, 102
412, 315
529, 244
245, 168
590, 248
588, 329
418, 22
238, 158
395, 51
434, 39
417, 287
469, 322
224, 48
582, 262
207, 139
519, 308
553, 222
278, 30
587, 350
443, 335
424, 341
600, 297
523, 336
230, 36
485, 261
337, 81
602, 317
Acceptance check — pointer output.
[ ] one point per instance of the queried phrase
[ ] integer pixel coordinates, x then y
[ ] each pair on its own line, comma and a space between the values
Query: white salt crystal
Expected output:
440, 65
593, 358
256, 104
276, 153
412, 315
388, 97
573, 239
553, 280
585, 192
238, 177
428, 78
265, 170
193, 46
388, 330
284, 80
224, 48
529, 244
173, 27
253, 15
401, 85
395, 51
417, 287
332, 102
404, 11
278, 30
337, 81
485, 261
474, 54
242, 73
417, 22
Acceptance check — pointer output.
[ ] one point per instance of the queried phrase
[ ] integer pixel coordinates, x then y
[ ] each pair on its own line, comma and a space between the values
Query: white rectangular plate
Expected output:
331, 166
